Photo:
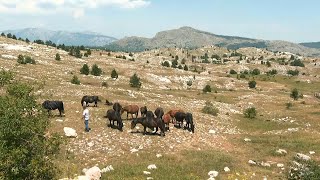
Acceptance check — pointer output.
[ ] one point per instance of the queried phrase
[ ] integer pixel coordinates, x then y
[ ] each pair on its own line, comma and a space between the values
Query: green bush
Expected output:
252, 84
166, 64
297, 62
242, 76
174, 63
85, 69
95, 70
289, 105
135, 81
25, 60
210, 109
180, 66
189, 83
304, 170
295, 94
272, 72
255, 72
232, 71
104, 84
268, 64
207, 88
293, 72
5, 77
75, 80
250, 113
25, 151
185, 68
114, 74
58, 58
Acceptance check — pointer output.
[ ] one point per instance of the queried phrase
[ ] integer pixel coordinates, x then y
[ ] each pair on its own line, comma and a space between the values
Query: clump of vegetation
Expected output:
272, 72
252, 84
174, 63
185, 68
25, 60
26, 153
255, 72
207, 89
293, 72
166, 64
135, 81
297, 62
104, 84
295, 94
75, 80
250, 113
189, 83
95, 70
304, 170
58, 58
232, 71
210, 109
5, 77
289, 105
114, 74
85, 69
268, 64
180, 66
242, 76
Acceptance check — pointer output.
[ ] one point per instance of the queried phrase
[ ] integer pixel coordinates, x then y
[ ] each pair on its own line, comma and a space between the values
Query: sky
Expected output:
290, 20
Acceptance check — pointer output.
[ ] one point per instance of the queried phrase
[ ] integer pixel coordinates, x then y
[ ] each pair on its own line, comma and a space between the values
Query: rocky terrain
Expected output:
226, 146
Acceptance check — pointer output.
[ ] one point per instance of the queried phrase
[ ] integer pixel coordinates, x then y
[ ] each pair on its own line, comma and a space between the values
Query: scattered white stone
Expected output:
281, 151
93, 173
226, 169
90, 144
303, 157
59, 120
247, 140
312, 152
152, 166
107, 169
280, 165
146, 172
265, 164
159, 155
252, 162
149, 178
8, 56
211, 178
83, 178
265, 178
69, 132
134, 150
213, 173
293, 129
212, 131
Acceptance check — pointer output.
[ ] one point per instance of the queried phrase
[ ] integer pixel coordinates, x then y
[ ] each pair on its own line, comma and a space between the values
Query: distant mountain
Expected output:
63, 37
187, 37
311, 44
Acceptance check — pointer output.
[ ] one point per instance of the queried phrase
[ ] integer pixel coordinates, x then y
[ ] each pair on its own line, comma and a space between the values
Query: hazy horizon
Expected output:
269, 20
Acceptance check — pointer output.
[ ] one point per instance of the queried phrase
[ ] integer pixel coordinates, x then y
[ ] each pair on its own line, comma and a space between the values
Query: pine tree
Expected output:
95, 70
2, 34
114, 74
27, 40
85, 69
58, 58
186, 68
75, 80
9, 35
135, 81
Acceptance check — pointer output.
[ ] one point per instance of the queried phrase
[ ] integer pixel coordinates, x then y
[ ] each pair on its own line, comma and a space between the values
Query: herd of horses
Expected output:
148, 119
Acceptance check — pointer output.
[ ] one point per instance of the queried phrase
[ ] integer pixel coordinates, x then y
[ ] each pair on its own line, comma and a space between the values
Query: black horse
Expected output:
149, 114
112, 115
143, 111
159, 112
52, 105
150, 123
90, 99
180, 116
189, 121
117, 107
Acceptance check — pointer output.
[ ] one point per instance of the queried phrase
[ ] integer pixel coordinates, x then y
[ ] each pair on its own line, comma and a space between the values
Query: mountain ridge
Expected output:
85, 38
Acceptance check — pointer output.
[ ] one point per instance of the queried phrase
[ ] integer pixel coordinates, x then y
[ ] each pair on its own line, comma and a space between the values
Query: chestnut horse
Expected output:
166, 119
131, 109
143, 111
172, 113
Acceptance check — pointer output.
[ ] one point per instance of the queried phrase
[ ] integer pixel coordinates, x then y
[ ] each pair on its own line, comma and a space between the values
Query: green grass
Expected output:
187, 165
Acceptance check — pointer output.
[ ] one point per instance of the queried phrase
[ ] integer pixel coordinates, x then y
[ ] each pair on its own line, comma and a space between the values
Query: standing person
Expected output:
85, 115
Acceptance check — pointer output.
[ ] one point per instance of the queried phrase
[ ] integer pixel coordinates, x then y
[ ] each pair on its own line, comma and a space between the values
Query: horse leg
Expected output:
127, 115
144, 130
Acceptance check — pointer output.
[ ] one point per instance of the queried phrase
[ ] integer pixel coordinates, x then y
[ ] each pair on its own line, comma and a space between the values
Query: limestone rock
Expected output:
69, 132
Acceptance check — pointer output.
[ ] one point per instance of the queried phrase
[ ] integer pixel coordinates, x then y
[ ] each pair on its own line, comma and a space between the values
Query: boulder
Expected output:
152, 166
69, 132
303, 157
281, 151
252, 162
146, 172
226, 169
93, 173
213, 173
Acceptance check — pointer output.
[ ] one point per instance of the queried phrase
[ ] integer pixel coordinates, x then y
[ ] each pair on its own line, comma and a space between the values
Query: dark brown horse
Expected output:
189, 121
131, 109
112, 115
172, 113
159, 112
143, 111
180, 116
150, 123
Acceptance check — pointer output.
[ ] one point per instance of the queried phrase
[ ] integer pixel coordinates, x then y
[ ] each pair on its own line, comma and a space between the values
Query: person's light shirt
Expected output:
86, 114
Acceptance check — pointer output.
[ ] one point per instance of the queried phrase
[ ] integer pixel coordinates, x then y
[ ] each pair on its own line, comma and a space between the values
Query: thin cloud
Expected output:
74, 7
